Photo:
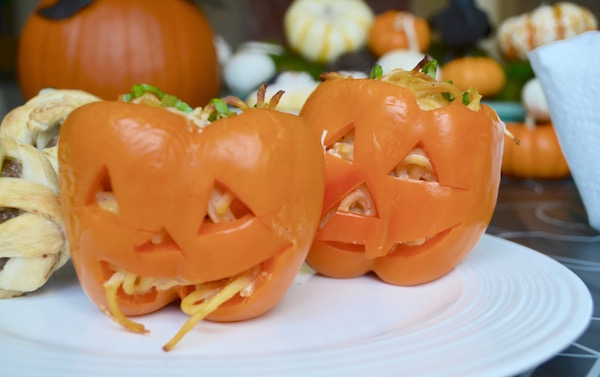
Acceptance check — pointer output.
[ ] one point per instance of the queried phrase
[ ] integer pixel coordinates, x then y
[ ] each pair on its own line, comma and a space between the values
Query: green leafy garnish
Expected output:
376, 72
430, 68
221, 110
465, 98
139, 89
448, 96
166, 100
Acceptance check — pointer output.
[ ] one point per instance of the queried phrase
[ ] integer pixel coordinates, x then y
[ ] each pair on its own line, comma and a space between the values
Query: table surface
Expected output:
548, 216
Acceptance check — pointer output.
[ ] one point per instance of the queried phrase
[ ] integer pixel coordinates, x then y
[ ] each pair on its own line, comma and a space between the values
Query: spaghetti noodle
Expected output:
204, 298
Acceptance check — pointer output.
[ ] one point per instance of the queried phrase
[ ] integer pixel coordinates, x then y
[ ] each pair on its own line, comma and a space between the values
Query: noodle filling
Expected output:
202, 299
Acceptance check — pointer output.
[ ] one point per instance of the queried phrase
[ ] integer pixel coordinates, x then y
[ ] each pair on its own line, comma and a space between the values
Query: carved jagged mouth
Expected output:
408, 247
200, 299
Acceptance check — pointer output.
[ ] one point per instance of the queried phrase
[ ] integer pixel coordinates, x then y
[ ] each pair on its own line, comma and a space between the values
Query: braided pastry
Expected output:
38, 121
32, 240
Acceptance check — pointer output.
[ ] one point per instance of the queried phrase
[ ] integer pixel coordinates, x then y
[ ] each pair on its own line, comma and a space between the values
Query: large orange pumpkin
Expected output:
538, 154
110, 45
409, 191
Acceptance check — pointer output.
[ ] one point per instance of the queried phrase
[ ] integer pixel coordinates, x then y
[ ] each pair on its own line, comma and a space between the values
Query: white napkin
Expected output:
568, 72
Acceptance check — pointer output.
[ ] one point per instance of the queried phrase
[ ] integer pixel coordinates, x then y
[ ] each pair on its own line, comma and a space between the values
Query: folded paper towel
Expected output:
568, 72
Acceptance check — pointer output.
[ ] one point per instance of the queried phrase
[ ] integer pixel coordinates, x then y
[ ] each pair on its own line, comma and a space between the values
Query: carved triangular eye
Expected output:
415, 166
104, 195
359, 201
223, 205
344, 147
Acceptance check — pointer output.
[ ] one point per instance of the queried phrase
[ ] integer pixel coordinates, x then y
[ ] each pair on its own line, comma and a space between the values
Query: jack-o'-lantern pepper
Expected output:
157, 208
412, 169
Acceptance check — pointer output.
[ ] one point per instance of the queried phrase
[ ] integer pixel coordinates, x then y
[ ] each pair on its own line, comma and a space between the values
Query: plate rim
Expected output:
301, 360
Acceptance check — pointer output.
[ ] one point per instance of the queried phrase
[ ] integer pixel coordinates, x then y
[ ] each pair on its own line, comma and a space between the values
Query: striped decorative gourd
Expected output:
322, 30
547, 23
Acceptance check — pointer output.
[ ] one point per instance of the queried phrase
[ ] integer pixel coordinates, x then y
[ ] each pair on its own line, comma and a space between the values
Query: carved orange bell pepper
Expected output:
412, 171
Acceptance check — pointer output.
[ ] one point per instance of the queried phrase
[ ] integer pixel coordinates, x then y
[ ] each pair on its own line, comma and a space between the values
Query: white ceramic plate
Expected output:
504, 310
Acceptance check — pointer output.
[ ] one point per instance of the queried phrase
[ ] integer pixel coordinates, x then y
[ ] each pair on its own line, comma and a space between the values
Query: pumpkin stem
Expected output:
426, 59
218, 108
275, 100
63, 9
261, 95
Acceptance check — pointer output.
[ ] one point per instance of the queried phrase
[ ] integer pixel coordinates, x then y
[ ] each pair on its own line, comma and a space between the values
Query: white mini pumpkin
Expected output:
322, 30
535, 102
250, 66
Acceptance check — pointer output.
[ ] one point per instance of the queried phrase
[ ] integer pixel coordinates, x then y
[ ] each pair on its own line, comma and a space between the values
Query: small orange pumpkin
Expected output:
396, 30
480, 72
538, 155
108, 46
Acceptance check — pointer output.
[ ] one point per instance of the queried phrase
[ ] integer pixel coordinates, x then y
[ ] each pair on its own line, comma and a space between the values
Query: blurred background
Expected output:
239, 21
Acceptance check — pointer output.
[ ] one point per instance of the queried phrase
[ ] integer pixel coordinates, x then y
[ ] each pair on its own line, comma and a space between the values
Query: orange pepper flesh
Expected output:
465, 150
161, 170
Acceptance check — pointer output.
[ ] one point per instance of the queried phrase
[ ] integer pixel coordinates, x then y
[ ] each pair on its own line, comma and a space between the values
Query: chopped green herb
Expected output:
376, 72
139, 89
430, 68
169, 101
221, 110
448, 96
465, 99
182, 106
220, 106
166, 100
